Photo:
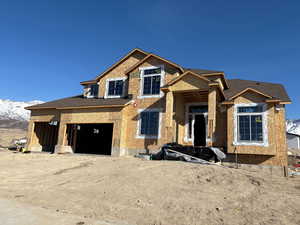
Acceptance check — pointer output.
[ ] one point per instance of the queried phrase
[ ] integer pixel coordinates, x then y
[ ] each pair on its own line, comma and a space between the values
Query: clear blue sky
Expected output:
48, 47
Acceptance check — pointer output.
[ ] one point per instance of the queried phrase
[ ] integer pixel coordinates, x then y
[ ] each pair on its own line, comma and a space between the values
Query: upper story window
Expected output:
250, 124
94, 90
115, 88
151, 81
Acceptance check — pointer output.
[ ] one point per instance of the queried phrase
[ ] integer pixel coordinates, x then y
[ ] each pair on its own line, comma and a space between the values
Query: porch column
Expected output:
169, 116
62, 146
30, 135
212, 106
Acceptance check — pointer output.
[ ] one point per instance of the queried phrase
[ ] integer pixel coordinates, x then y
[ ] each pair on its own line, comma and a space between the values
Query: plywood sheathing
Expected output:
275, 152
119, 71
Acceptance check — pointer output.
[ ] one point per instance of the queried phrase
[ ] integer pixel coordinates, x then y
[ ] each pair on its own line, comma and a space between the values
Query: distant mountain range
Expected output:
13, 114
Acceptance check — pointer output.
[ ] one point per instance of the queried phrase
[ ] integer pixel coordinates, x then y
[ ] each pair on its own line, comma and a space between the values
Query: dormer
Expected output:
90, 89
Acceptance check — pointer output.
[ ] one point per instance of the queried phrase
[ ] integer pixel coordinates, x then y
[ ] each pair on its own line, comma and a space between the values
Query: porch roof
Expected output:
275, 91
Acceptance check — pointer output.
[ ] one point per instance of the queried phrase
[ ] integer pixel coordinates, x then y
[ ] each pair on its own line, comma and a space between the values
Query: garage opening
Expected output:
90, 138
47, 135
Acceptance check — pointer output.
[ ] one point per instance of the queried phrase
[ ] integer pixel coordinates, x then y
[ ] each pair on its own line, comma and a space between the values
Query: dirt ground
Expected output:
7, 135
81, 189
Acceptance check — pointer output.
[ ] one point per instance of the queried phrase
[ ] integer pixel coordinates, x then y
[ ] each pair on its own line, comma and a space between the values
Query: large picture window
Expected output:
250, 124
151, 81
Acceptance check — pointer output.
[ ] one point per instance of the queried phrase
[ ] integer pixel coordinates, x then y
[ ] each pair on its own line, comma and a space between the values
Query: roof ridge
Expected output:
257, 81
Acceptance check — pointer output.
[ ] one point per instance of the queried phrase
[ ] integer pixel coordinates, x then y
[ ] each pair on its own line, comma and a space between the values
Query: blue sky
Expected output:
48, 47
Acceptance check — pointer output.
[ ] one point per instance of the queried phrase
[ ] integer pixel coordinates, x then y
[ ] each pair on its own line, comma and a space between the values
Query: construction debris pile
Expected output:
174, 151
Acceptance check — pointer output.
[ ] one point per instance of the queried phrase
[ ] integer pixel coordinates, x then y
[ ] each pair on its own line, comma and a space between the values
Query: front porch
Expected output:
191, 112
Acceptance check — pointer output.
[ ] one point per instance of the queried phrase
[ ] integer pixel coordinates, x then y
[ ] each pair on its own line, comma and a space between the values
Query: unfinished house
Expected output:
144, 101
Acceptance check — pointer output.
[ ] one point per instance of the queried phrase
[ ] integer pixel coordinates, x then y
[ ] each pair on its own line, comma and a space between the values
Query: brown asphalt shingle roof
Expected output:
80, 101
277, 91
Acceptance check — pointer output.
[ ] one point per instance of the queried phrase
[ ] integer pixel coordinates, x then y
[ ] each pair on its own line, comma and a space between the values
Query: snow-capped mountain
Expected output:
15, 110
293, 126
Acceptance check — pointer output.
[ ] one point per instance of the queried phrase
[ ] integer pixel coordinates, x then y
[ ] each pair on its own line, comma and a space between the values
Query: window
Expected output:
151, 81
250, 124
149, 123
94, 90
114, 87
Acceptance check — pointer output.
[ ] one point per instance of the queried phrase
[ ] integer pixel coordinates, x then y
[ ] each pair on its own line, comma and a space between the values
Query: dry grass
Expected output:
7, 135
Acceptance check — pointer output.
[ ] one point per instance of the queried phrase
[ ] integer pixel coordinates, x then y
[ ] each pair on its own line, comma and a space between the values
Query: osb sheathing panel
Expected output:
132, 116
275, 152
90, 115
220, 136
119, 71
132, 142
134, 77
102, 115
189, 83
180, 118
41, 115
45, 115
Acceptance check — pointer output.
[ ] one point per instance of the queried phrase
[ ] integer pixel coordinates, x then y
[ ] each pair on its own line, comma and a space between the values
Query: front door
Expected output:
199, 130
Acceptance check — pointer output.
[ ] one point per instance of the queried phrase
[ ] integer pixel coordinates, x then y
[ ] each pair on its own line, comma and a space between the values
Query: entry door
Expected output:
199, 129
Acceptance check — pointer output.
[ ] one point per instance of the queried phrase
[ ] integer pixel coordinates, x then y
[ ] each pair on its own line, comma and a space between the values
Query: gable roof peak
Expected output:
155, 56
122, 60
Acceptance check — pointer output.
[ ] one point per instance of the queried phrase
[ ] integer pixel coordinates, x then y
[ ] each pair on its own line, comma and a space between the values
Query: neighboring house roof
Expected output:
81, 102
236, 86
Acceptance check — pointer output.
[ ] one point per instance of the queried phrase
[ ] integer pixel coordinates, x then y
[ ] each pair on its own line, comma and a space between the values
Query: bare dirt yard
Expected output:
88, 190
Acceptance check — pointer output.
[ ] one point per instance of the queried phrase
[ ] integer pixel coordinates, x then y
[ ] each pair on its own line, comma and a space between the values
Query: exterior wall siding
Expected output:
119, 71
273, 154
172, 123
134, 144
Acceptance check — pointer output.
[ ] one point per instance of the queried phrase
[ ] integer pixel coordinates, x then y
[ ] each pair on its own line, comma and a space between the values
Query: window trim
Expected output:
187, 106
107, 86
264, 114
162, 81
142, 136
